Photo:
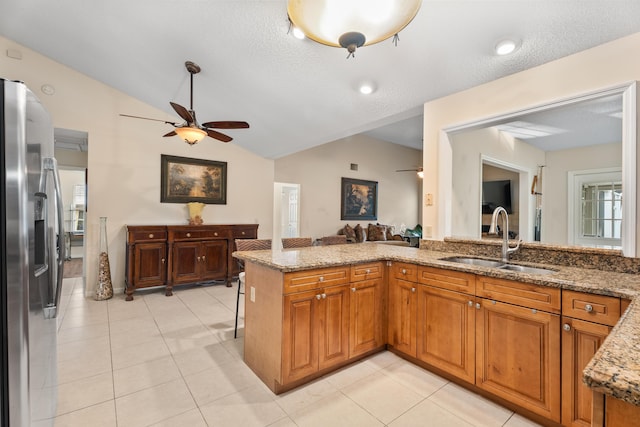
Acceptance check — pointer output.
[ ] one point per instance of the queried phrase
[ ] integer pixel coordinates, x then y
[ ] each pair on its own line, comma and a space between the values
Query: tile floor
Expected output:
172, 361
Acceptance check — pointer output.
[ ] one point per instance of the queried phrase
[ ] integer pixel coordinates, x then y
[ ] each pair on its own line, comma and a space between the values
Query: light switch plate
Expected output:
252, 294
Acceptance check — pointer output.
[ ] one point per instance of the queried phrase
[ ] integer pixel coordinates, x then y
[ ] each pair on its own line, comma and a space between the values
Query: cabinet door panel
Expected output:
402, 315
518, 356
185, 265
150, 268
579, 345
333, 324
300, 336
365, 321
446, 331
213, 260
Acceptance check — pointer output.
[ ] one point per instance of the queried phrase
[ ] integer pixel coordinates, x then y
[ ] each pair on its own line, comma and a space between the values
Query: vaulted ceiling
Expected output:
295, 93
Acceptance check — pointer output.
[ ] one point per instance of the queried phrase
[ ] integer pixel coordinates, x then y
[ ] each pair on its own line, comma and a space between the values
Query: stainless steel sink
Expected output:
497, 264
525, 269
474, 261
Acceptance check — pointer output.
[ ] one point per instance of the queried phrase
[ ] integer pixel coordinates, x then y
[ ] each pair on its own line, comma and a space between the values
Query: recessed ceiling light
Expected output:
505, 47
297, 33
366, 89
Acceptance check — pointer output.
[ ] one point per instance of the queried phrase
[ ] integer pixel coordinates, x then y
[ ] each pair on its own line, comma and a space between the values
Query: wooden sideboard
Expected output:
171, 255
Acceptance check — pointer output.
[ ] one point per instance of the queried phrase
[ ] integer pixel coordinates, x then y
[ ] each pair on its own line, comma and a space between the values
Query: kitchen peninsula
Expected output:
500, 333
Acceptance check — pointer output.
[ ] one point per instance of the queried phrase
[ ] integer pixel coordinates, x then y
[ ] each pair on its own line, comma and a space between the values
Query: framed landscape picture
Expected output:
185, 180
359, 199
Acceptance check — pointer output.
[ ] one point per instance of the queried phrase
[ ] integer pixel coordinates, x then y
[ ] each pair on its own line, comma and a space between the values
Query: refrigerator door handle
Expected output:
44, 267
51, 309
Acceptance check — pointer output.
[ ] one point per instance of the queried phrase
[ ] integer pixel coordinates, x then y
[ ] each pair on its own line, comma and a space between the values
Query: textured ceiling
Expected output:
298, 94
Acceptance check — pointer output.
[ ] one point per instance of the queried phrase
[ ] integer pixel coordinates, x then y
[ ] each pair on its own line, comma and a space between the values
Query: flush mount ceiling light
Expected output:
351, 23
367, 88
505, 47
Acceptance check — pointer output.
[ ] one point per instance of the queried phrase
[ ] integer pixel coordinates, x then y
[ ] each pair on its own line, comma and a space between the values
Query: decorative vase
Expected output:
104, 289
195, 213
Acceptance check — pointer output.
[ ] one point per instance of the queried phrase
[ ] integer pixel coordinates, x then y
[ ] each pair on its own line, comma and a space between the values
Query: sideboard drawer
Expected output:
149, 236
306, 280
245, 232
194, 234
593, 308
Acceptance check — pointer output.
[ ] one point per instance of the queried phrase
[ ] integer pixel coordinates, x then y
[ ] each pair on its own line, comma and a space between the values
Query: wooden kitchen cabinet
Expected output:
518, 356
586, 322
315, 331
366, 307
168, 255
403, 307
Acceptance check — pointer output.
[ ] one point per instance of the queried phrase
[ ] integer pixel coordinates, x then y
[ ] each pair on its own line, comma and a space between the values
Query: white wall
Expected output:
124, 159
555, 185
601, 67
319, 171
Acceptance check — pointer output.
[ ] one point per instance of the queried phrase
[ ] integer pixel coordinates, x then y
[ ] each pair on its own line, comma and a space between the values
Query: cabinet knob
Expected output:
198, 259
353, 289
202, 258
367, 271
324, 296
243, 233
478, 306
215, 233
588, 308
413, 289
162, 260
321, 278
404, 271
151, 236
566, 327
188, 234
470, 303
318, 297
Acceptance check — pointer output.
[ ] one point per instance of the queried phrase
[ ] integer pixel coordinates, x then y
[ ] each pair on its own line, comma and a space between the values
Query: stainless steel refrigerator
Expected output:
31, 259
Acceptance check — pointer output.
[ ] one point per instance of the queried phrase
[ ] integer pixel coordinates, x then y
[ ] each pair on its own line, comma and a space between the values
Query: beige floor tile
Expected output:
100, 415
415, 378
139, 353
427, 413
197, 336
136, 333
144, 375
84, 393
219, 381
470, 407
382, 360
192, 418
253, 407
235, 346
154, 405
336, 410
86, 349
83, 333
196, 360
306, 395
520, 421
284, 422
382, 397
349, 375
78, 368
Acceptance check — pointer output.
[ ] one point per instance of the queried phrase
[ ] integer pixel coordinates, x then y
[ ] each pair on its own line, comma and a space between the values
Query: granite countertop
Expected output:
614, 370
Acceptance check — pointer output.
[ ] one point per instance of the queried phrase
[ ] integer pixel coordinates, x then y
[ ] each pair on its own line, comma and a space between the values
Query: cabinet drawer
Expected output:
200, 234
149, 236
245, 232
523, 294
445, 279
404, 271
366, 271
312, 279
593, 308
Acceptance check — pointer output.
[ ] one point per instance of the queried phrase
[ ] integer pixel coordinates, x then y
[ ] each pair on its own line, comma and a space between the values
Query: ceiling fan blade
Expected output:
182, 112
226, 125
217, 135
172, 133
147, 118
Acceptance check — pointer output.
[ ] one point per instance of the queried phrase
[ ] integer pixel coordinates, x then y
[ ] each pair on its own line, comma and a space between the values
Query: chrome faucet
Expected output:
506, 250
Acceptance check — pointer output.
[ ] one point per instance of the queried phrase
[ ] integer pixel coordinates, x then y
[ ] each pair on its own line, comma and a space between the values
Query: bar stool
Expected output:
246, 245
296, 242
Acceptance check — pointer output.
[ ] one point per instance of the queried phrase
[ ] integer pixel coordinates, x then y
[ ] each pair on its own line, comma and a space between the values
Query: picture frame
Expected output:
184, 180
358, 199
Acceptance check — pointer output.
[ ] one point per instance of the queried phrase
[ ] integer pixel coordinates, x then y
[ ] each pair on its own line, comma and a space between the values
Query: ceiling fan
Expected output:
191, 131
419, 171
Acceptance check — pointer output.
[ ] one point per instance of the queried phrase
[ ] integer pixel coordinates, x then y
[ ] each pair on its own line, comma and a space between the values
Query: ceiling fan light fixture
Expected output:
298, 33
351, 23
191, 135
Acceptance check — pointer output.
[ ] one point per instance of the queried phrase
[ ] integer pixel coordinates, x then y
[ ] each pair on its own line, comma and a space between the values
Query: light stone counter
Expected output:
614, 370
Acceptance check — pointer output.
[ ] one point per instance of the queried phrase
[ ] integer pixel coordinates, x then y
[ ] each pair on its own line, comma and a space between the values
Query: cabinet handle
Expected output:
478, 306
566, 327
188, 234
588, 308
404, 271
353, 289
367, 271
321, 278
318, 297
151, 236
162, 260
413, 289
470, 303
324, 296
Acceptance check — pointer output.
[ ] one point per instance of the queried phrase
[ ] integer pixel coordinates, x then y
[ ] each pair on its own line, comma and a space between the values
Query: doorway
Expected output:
286, 216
